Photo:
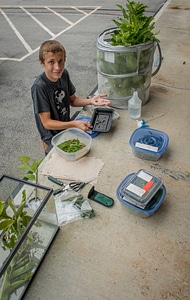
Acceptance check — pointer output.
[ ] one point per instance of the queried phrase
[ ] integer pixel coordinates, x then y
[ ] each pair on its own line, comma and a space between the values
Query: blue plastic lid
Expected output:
149, 140
92, 133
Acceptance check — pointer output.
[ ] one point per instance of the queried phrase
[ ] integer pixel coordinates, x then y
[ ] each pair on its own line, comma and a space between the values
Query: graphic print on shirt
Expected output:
60, 101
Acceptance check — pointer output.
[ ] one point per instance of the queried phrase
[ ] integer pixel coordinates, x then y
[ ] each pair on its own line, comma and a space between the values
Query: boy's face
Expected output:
53, 64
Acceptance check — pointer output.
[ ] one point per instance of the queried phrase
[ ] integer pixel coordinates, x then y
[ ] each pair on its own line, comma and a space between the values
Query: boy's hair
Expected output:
51, 46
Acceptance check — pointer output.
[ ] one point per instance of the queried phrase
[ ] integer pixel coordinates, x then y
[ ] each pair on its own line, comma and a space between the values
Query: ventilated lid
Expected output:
140, 188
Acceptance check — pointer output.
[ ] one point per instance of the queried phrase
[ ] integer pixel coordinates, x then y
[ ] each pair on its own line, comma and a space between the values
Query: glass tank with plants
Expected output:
25, 234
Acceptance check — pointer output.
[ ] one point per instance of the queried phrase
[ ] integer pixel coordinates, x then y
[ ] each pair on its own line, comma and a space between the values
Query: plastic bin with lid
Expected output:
70, 134
140, 188
152, 206
148, 143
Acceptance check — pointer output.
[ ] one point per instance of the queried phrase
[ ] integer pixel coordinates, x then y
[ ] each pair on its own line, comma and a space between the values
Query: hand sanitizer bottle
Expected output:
134, 106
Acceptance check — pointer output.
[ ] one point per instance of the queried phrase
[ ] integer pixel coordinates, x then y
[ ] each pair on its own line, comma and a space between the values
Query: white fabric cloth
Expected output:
85, 169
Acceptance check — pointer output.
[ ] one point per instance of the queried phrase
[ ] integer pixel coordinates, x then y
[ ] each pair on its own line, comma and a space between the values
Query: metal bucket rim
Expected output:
100, 41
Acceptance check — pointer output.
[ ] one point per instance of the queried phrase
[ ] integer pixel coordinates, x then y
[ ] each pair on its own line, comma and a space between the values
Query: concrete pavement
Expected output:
115, 255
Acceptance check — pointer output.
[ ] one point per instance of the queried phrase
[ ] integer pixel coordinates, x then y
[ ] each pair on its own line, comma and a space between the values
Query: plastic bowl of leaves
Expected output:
72, 143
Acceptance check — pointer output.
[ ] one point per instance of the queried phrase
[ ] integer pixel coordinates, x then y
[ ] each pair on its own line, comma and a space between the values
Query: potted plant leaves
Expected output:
125, 55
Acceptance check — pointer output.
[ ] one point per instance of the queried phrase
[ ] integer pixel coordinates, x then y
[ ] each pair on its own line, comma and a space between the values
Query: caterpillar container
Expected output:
123, 70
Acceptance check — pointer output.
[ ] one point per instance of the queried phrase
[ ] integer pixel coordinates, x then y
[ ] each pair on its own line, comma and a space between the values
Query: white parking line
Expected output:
80, 9
60, 16
16, 32
37, 21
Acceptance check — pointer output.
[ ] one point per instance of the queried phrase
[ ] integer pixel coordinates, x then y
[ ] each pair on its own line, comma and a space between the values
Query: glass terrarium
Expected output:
28, 225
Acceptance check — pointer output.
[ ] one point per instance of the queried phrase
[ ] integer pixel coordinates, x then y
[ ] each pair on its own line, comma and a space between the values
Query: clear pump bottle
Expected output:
134, 106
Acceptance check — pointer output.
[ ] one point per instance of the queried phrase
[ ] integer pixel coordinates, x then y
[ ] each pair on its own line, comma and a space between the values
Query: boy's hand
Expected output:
83, 125
99, 100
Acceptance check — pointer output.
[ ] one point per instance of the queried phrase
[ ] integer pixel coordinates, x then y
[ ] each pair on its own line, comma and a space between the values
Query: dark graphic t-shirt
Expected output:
53, 97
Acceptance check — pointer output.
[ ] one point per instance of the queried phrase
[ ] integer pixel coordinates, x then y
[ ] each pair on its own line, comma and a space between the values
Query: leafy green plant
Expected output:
130, 66
12, 226
31, 167
135, 27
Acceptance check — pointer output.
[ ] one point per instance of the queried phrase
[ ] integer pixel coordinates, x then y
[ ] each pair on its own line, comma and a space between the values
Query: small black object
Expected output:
100, 198
102, 119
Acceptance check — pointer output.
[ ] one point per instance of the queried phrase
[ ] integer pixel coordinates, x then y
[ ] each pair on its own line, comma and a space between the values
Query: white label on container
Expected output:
109, 57
144, 176
147, 147
135, 189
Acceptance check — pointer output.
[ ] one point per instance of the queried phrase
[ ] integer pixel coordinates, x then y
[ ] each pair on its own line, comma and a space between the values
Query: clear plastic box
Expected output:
148, 143
69, 134
151, 207
139, 188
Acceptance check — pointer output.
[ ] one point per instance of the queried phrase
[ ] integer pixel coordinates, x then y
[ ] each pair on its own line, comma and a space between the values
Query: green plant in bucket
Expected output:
130, 67
135, 27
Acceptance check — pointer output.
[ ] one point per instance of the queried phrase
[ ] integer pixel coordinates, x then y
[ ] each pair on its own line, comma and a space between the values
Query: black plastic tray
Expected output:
102, 119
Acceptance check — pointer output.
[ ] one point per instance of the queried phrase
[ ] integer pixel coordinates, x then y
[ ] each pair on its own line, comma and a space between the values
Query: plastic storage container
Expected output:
148, 143
140, 188
69, 134
150, 208
92, 133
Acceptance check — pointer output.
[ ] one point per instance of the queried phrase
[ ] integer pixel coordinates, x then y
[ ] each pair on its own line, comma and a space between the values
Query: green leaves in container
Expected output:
73, 145
134, 27
122, 63
146, 59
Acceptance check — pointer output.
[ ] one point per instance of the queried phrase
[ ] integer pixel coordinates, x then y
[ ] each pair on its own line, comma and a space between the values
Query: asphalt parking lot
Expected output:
24, 26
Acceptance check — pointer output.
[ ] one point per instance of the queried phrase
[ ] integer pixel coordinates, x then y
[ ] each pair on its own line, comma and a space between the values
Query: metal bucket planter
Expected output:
121, 70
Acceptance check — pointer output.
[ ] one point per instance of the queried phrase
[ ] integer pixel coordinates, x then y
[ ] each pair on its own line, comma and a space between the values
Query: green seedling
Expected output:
32, 167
